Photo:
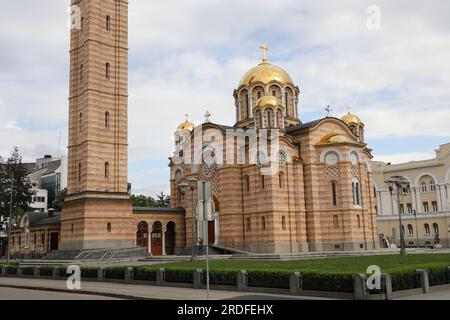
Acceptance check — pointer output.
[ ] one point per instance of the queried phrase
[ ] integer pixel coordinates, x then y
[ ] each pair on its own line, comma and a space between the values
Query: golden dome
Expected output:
186, 125
351, 119
265, 73
268, 101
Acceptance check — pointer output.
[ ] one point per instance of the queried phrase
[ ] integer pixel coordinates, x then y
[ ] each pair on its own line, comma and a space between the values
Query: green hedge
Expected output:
12, 269
144, 274
438, 275
225, 278
115, 273
28, 271
182, 276
46, 271
268, 279
89, 272
407, 278
331, 282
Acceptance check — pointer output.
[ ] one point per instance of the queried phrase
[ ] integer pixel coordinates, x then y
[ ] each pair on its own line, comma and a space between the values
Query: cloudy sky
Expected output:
187, 56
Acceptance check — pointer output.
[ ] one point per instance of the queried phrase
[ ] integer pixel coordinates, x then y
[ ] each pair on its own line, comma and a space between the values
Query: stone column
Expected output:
438, 197
149, 237
250, 105
216, 228
276, 119
164, 241
283, 99
262, 119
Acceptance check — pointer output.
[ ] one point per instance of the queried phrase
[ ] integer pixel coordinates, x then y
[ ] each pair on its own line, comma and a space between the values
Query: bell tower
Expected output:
97, 210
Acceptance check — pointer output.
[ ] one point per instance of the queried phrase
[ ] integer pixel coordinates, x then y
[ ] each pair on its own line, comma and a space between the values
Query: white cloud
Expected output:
404, 157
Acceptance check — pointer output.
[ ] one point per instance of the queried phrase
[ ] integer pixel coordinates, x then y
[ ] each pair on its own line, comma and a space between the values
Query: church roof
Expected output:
161, 210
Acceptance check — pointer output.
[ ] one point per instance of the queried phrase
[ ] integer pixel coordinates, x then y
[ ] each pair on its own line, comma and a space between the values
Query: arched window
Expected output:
334, 193
263, 223
269, 118
410, 230
427, 228
106, 119
106, 170
108, 23
424, 186
247, 183
248, 224
356, 187
79, 172
274, 93
283, 223
432, 186
359, 220
287, 102
335, 221
107, 70
109, 227
435, 228
281, 180
258, 94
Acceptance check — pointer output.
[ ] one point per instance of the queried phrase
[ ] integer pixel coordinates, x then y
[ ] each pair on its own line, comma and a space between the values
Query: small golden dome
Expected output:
350, 119
186, 125
265, 73
268, 101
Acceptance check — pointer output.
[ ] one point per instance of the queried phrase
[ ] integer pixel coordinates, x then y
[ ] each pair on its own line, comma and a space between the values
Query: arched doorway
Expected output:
157, 239
142, 235
213, 225
170, 238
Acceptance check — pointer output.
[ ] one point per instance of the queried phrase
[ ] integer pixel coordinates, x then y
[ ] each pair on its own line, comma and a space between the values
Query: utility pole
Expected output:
10, 217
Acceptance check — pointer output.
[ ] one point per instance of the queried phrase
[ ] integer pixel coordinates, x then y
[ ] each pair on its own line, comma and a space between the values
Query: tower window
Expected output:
274, 93
334, 193
107, 73
108, 23
109, 227
336, 221
106, 170
79, 172
81, 72
106, 119
248, 224
281, 180
356, 192
263, 182
81, 119
283, 223
247, 183
263, 223
359, 221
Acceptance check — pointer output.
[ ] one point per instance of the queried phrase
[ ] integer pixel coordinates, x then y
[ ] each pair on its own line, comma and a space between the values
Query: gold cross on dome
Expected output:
187, 117
264, 49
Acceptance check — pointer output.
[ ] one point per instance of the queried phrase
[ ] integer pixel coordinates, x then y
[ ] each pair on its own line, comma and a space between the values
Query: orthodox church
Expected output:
319, 199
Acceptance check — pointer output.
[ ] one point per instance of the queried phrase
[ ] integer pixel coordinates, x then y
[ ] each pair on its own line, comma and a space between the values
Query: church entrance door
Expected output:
53, 241
211, 232
157, 239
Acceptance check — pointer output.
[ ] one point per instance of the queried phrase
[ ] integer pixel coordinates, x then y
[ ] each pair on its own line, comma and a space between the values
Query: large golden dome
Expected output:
351, 119
265, 72
186, 125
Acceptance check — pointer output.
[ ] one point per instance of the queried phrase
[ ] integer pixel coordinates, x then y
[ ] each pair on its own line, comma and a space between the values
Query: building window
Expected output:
281, 180
106, 119
432, 186
258, 94
108, 227
427, 228
335, 221
43, 238
425, 207
107, 71
376, 210
359, 221
356, 192
434, 206
409, 207
81, 23
269, 118
106, 170
283, 223
79, 172
374, 192
263, 182
435, 228
274, 93
248, 224
108, 23
424, 187
81, 72
334, 193
410, 230
81, 119
71, 229
402, 208
263, 223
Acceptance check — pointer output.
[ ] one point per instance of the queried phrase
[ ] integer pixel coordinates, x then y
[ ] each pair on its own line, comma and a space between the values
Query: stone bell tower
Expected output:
97, 211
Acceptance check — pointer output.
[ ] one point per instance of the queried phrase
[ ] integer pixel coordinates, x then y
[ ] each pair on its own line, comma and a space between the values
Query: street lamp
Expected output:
399, 184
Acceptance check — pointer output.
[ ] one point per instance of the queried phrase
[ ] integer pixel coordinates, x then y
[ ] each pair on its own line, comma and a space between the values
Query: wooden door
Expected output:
211, 232
156, 243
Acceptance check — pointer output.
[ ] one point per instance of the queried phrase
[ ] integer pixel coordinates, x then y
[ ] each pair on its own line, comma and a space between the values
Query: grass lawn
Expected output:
387, 263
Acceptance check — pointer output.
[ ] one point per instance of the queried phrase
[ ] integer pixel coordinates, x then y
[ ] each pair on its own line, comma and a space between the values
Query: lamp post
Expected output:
400, 185
10, 216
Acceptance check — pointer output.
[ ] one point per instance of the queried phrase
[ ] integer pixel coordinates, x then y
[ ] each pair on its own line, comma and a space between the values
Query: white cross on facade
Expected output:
207, 115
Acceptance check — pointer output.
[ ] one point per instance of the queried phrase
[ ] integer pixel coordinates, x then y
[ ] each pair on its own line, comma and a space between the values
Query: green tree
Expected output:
59, 201
13, 169
143, 201
163, 200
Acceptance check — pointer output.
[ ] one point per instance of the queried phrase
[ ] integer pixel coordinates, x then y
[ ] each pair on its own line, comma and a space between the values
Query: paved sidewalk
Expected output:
435, 295
131, 291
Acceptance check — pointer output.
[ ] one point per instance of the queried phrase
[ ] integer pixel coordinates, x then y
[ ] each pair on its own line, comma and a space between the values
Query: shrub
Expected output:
331, 282
11, 270
89, 272
28, 271
115, 273
404, 280
182, 276
438, 275
46, 271
144, 274
227, 278
268, 279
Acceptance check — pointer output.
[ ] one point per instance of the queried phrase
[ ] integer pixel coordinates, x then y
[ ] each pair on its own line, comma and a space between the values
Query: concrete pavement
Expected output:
132, 291
25, 294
